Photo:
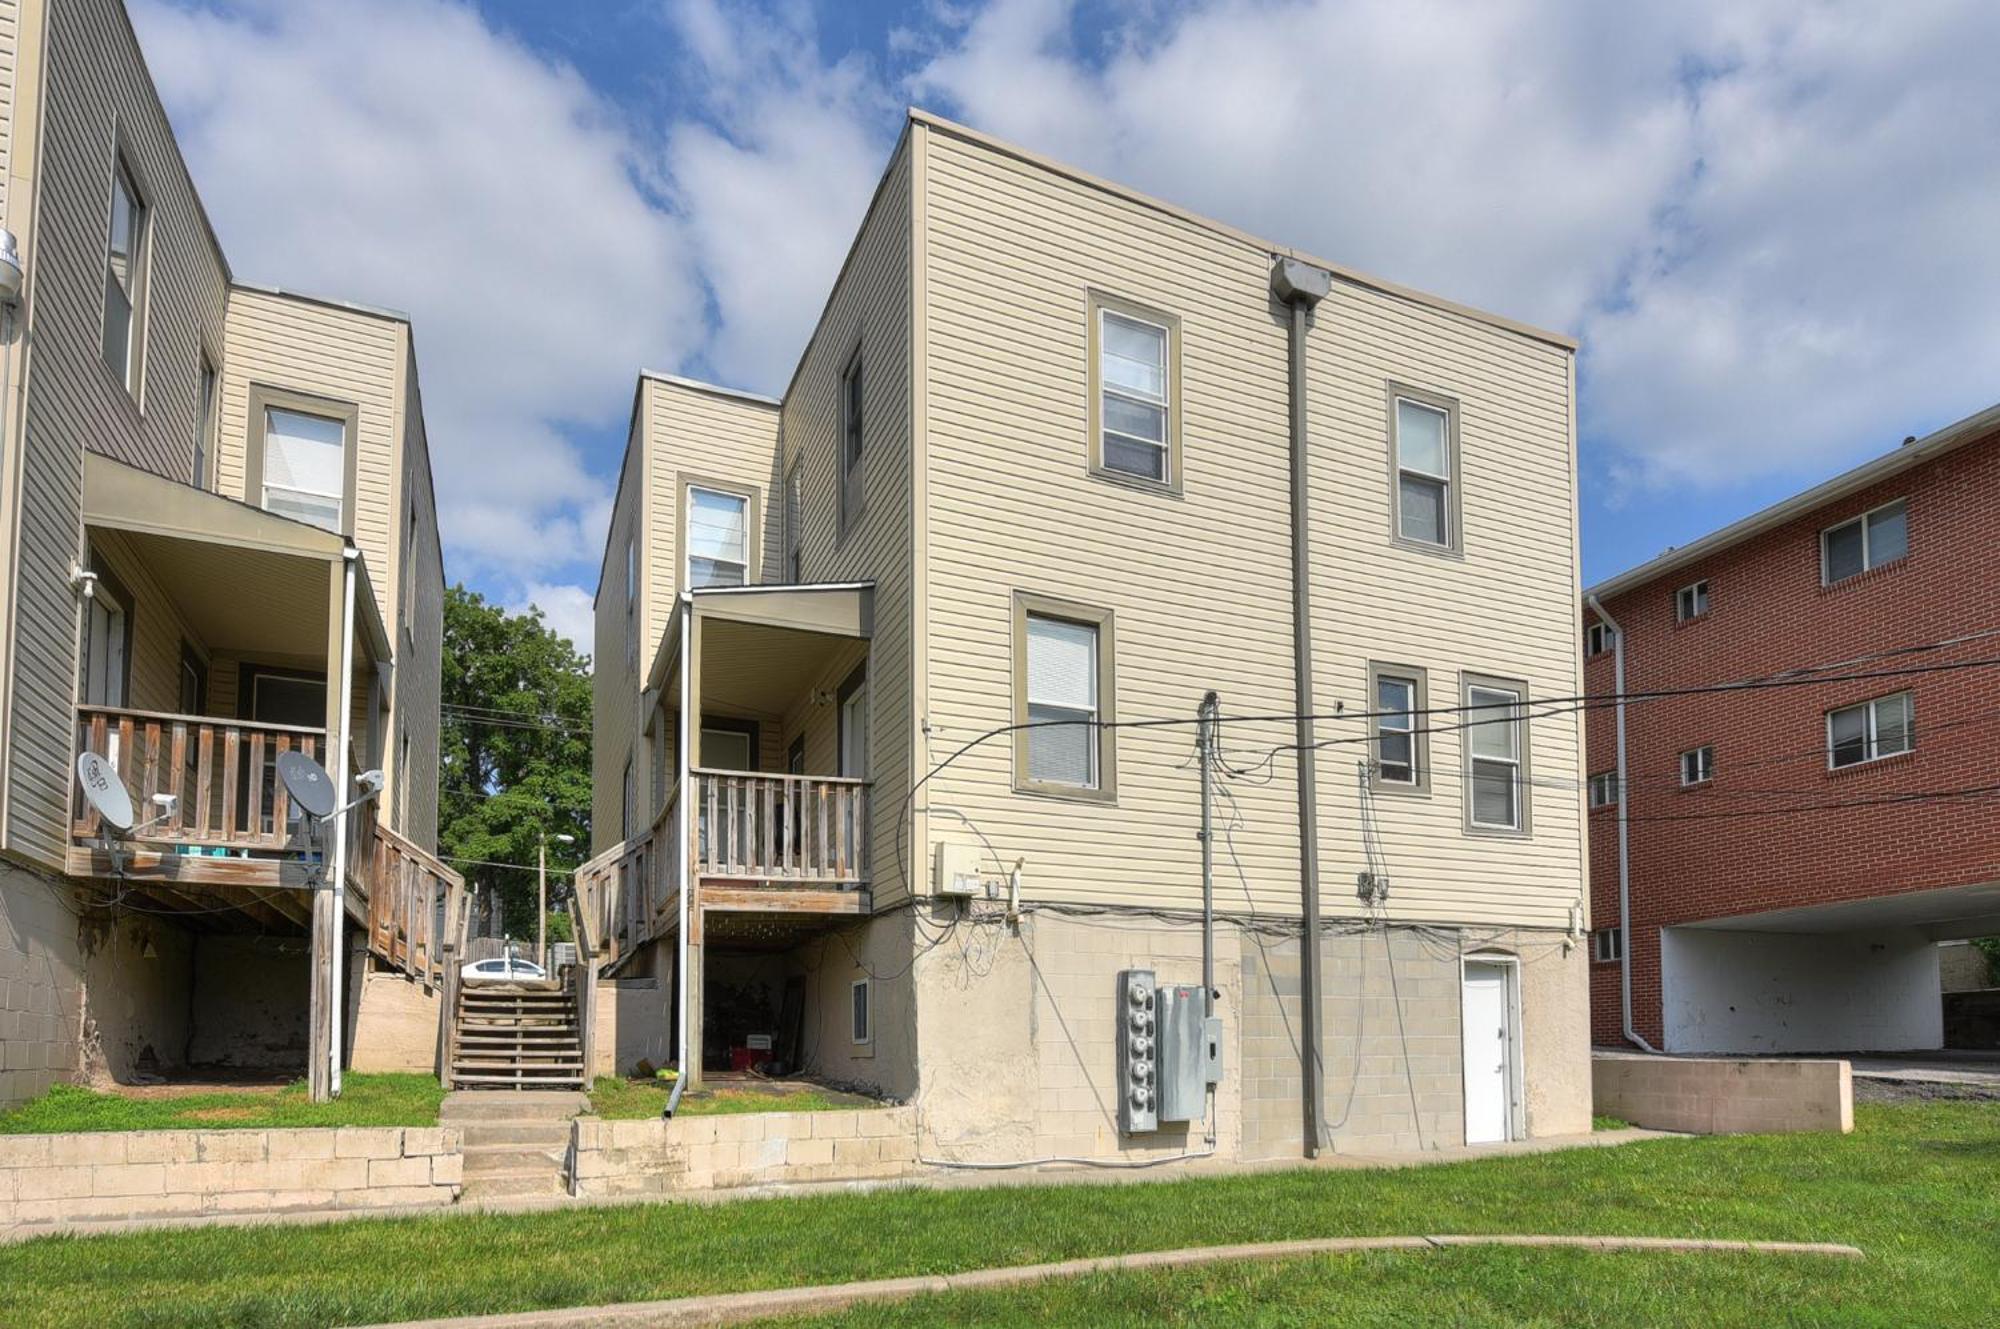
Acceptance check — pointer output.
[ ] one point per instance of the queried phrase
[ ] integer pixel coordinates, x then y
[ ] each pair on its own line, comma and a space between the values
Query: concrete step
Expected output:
528, 1105
547, 1136
507, 1161
548, 1181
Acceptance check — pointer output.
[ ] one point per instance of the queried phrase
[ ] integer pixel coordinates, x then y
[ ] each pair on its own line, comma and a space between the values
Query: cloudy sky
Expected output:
1772, 224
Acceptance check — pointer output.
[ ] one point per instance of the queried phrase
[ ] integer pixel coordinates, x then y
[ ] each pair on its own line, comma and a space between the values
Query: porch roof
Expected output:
826, 609
246, 579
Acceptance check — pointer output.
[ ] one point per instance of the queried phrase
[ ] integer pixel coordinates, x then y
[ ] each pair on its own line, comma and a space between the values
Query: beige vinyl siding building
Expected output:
143, 581
981, 527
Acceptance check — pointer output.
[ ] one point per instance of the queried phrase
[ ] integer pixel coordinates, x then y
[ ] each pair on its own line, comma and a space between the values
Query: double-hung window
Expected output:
1698, 765
304, 468
1397, 694
125, 279
1063, 699
1496, 755
1603, 789
1869, 541
718, 538
1874, 729
1597, 639
853, 490
794, 537
1691, 601
1134, 395
204, 425
1423, 443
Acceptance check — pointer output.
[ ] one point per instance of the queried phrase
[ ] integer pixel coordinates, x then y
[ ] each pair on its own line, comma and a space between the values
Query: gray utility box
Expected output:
1169, 1052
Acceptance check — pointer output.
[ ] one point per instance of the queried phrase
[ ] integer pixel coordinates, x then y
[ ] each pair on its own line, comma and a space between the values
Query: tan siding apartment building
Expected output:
198, 473
934, 628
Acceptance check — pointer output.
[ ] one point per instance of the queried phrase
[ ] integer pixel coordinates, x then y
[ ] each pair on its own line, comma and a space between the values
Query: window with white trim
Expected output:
1698, 765
718, 538
1603, 789
1495, 741
1873, 730
794, 537
1062, 702
1607, 945
1691, 601
861, 1004
1424, 496
125, 279
1868, 541
1398, 698
305, 466
1134, 410
1597, 638
204, 424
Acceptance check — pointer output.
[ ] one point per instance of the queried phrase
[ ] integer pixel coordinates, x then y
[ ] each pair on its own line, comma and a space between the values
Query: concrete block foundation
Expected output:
1724, 1096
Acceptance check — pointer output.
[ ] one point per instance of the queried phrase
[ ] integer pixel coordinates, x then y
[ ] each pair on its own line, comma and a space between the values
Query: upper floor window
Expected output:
1603, 789
718, 538
409, 605
1063, 687
1497, 750
1868, 541
1698, 765
1134, 394
1691, 601
1874, 729
204, 424
631, 573
1424, 446
1397, 694
125, 279
1597, 638
853, 491
794, 537
305, 467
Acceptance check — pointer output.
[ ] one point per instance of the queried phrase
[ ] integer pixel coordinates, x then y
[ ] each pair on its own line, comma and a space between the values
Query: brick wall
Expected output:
656, 1157
1769, 613
55, 1179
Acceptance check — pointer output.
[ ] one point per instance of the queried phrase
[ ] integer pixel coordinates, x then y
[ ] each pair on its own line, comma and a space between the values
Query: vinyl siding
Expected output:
10, 68
95, 95
417, 629
614, 680
869, 307
1199, 583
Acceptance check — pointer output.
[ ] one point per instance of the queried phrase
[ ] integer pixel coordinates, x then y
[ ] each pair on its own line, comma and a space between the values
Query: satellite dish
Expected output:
105, 791
308, 784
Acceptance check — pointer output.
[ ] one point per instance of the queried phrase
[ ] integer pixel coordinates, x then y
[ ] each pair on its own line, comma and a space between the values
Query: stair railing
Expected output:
583, 983
458, 919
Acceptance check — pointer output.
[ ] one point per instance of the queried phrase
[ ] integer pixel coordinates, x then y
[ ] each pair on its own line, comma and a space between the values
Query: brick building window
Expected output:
1698, 765
1603, 789
1597, 639
1874, 729
1691, 601
1607, 945
1869, 541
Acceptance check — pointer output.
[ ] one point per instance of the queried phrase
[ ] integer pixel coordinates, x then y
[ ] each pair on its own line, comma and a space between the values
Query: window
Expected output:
204, 424
1397, 697
1604, 789
193, 682
853, 724
1063, 694
1496, 748
1597, 639
1423, 431
1869, 541
107, 642
409, 605
1872, 730
852, 439
1698, 765
718, 538
862, 1026
125, 280
302, 465
1607, 945
628, 806
1691, 601
1134, 393
794, 537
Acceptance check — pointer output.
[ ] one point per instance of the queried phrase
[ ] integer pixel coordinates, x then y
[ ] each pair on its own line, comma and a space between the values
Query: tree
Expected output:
514, 759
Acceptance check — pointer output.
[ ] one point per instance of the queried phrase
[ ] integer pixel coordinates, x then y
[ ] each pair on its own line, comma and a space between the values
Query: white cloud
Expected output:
565, 609
407, 154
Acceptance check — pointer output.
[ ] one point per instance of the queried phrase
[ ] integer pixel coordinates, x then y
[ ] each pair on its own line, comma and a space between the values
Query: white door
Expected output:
1488, 1048
854, 733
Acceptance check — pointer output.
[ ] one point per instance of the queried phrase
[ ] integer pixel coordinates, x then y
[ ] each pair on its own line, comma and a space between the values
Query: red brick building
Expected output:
1795, 853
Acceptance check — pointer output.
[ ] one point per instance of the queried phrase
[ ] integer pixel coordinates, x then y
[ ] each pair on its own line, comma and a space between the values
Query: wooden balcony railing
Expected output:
414, 901
781, 828
223, 774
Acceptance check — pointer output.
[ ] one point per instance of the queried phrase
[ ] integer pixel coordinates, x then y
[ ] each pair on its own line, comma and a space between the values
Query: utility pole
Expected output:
542, 903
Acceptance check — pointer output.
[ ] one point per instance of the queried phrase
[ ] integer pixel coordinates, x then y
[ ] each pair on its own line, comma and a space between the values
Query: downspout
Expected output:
1301, 286
683, 813
1624, 830
351, 557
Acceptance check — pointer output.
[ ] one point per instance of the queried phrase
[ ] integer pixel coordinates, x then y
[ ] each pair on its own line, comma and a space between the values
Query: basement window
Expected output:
1607, 945
1869, 541
1698, 765
862, 996
1871, 731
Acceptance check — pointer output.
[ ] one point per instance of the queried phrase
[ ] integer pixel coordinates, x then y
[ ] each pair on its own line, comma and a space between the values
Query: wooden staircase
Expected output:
515, 1036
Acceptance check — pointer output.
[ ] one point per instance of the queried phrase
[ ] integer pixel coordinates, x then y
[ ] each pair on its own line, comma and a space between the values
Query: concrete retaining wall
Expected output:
656, 1157
175, 1174
1715, 1096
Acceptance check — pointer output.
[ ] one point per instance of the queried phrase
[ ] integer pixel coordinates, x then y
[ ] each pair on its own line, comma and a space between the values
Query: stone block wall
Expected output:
1724, 1096
113, 1175
41, 985
656, 1157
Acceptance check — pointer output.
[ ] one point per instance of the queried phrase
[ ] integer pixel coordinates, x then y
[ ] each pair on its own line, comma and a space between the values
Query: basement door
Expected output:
1487, 1024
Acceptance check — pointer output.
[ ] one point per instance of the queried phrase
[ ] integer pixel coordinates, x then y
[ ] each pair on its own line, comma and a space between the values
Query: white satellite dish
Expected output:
308, 784
105, 792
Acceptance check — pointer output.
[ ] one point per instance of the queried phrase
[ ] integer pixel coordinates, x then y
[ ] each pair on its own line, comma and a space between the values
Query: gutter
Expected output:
1624, 830
1300, 287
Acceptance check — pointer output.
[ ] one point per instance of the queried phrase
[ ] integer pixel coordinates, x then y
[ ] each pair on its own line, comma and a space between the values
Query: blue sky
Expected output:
1770, 223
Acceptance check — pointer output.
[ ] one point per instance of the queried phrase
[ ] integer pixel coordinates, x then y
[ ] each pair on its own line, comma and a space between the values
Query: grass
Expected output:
365, 1100
1607, 1123
1913, 1186
630, 1100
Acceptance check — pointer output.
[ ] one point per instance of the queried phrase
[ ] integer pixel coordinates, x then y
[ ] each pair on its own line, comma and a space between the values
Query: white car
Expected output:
507, 969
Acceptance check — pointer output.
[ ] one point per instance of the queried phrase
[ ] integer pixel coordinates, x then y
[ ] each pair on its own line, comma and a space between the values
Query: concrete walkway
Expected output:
743, 1307
1976, 1069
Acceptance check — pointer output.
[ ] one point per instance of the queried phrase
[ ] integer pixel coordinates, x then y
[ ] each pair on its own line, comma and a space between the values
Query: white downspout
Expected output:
683, 833
340, 796
1624, 830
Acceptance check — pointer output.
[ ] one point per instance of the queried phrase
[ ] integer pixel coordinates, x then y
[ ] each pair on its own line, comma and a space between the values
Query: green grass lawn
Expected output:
365, 1100
632, 1100
1914, 1186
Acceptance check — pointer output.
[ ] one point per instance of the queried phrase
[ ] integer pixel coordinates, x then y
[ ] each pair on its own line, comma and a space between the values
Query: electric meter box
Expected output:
1183, 1052
956, 875
1138, 1062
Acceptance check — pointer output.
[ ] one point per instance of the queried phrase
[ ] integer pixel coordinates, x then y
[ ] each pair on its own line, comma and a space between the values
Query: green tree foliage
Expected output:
1990, 948
515, 753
